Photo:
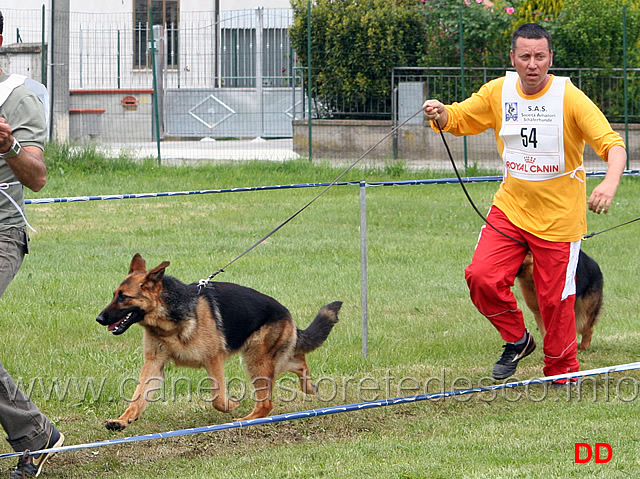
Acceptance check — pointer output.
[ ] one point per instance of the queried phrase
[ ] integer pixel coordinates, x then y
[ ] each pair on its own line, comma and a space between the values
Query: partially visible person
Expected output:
541, 123
23, 133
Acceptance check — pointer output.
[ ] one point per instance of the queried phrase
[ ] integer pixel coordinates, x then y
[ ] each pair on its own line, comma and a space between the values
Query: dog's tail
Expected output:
318, 331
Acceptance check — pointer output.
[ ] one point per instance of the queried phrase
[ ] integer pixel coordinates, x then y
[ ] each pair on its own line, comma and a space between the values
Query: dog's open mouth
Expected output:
122, 325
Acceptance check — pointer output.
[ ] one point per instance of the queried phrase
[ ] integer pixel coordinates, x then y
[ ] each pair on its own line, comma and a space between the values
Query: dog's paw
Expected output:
232, 403
115, 425
309, 388
226, 404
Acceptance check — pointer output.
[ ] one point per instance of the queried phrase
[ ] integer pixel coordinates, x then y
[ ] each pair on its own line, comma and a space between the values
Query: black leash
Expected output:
204, 282
591, 235
455, 168
23, 461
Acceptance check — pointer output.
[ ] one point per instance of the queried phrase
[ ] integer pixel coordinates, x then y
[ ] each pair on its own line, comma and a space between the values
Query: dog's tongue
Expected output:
113, 326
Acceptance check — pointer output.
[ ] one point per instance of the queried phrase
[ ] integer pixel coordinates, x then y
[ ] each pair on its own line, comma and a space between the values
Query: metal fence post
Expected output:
363, 269
626, 88
43, 52
118, 55
156, 67
309, 76
394, 113
464, 94
259, 66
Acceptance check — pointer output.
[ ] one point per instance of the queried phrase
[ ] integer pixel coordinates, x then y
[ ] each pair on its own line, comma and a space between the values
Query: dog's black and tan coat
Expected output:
203, 328
589, 286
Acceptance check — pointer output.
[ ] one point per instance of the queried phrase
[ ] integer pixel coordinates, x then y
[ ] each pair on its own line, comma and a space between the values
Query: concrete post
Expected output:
59, 83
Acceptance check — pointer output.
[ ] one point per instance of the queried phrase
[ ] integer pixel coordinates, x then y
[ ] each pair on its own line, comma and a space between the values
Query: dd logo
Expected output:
589, 452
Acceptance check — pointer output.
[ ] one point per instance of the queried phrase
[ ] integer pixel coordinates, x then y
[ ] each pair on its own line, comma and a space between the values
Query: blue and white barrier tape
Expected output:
331, 410
435, 181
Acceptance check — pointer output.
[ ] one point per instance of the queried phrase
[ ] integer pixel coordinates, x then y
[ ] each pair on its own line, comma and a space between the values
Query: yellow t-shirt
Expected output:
553, 209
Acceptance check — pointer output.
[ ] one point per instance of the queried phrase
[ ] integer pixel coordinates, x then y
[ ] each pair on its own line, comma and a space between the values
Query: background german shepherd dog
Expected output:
203, 329
589, 283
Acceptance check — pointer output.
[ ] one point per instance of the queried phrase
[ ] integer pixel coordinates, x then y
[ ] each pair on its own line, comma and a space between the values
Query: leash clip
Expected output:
202, 284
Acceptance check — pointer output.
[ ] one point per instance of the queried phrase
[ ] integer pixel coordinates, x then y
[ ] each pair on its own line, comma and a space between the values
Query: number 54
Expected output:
529, 137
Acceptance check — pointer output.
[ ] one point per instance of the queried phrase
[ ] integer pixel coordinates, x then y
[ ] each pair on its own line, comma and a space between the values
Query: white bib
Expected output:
533, 131
15, 80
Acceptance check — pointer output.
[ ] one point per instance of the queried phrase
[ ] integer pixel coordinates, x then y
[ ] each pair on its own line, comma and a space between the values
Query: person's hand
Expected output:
6, 139
601, 197
433, 109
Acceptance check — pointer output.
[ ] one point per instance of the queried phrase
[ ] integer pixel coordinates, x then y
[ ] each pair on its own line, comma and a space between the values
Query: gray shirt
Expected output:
24, 111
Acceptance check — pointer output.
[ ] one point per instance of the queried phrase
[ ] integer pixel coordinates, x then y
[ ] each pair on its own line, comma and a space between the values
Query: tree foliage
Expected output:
355, 45
536, 11
589, 33
486, 32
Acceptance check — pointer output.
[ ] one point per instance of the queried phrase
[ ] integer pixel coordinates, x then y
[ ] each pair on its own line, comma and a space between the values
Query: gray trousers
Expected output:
25, 425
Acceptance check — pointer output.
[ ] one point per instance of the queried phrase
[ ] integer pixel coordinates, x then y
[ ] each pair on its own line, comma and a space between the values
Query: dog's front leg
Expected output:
151, 378
215, 369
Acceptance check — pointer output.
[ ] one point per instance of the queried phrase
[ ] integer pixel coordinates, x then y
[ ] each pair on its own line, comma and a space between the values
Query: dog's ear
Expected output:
137, 264
156, 274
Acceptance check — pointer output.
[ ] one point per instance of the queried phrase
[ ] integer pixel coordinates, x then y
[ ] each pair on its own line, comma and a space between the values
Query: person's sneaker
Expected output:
513, 353
31, 466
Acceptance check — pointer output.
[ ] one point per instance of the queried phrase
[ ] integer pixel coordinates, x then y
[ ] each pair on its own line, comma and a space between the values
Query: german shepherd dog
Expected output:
589, 283
203, 328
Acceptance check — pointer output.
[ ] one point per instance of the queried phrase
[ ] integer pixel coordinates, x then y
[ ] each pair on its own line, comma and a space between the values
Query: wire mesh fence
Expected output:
229, 86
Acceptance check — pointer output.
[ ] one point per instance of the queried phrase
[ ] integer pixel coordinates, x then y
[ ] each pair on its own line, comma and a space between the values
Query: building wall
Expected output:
115, 116
122, 6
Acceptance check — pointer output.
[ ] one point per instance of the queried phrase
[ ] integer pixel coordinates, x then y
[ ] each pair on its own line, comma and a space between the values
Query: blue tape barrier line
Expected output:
437, 181
73, 199
331, 410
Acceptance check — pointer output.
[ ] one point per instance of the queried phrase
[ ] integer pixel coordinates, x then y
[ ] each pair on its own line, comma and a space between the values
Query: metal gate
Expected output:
249, 92
229, 112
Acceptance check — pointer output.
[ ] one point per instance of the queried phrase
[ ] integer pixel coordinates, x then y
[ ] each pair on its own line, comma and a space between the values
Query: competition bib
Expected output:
533, 131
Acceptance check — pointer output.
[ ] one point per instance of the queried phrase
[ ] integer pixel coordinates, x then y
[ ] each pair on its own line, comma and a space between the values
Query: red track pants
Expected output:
491, 275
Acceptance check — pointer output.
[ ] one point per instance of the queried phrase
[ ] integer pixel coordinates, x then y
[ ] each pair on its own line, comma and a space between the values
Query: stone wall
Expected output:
345, 140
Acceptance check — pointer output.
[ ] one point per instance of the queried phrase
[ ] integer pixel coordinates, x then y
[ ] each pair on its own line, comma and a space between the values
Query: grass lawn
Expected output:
424, 333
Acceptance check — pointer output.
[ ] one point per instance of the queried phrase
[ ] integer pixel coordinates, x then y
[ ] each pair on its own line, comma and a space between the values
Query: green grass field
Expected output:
424, 333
